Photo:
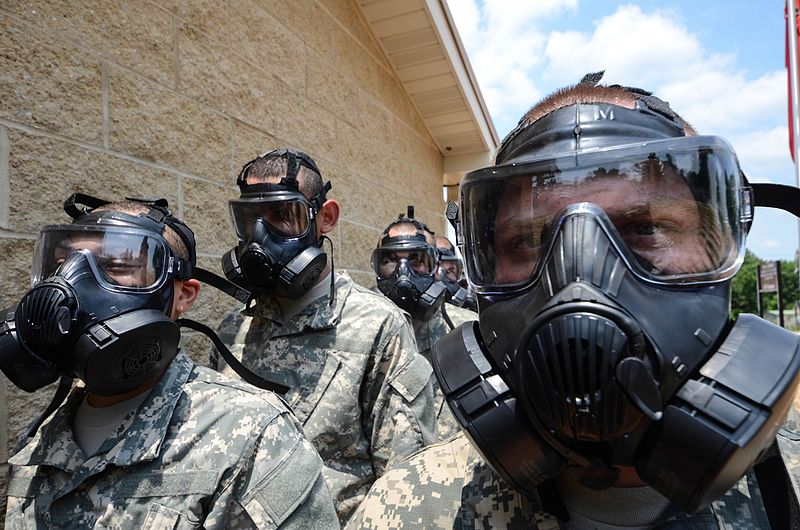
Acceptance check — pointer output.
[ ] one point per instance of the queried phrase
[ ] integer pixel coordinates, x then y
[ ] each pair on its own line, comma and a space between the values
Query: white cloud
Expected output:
771, 244
764, 154
654, 51
517, 60
720, 100
633, 48
505, 42
522, 50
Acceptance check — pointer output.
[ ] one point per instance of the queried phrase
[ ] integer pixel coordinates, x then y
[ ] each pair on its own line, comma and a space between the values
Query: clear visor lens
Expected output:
385, 262
677, 212
124, 258
285, 218
452, 268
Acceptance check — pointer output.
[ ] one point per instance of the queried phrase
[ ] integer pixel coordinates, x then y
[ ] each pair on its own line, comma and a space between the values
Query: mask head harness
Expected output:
278, 250
100, 302
597, 348
405, 267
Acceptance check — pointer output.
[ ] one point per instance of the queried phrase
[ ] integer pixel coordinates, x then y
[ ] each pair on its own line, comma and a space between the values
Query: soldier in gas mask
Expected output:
605, 385
148, 438
451, 272
408, 271
345, 354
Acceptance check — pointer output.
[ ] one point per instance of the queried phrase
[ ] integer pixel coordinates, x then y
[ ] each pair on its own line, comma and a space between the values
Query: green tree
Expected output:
744, 296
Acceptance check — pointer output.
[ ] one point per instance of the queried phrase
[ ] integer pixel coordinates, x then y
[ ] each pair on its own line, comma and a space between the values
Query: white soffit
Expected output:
422, 44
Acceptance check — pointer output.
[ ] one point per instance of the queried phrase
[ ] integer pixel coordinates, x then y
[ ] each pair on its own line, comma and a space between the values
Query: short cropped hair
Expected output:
272, 168
410, 228
587, 94
443, 242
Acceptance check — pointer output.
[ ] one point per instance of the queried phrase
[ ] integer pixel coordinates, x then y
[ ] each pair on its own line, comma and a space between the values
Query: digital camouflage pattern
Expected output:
450, 486
360, 389
201, 450
427, 332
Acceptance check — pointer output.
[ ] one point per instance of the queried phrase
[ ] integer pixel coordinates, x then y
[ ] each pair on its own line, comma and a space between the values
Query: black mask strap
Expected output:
294, 159
89, 203
333, 271
64, 386
447, 318
408, 217
222, 284
779, 196
319, 199
245, 373
552, 501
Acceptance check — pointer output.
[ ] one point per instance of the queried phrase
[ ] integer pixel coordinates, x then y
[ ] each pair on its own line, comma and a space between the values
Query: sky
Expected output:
719, 63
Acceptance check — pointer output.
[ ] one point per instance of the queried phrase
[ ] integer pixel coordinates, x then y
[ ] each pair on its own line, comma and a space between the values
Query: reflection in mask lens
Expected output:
125, 259
385, 262
677, 214
284, 218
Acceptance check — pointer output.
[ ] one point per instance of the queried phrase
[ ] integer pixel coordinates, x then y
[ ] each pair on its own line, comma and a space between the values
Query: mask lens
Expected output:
675, 212
452, 269
124, 258
386, 261
285, 218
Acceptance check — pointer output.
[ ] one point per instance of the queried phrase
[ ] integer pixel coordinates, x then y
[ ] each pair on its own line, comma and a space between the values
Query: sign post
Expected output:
769, 281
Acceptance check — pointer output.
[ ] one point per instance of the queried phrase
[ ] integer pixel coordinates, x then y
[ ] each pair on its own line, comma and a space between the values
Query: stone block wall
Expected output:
171, 98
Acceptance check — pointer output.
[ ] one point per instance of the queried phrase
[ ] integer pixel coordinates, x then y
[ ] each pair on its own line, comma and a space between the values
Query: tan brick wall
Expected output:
171, 98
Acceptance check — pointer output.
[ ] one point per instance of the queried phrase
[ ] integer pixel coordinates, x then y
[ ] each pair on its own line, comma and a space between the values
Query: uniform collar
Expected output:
319, 314
138, 438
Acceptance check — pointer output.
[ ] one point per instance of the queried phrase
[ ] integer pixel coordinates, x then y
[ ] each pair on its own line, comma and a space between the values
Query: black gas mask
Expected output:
602, 247
278, 250
99, 308
406, 270
451, 273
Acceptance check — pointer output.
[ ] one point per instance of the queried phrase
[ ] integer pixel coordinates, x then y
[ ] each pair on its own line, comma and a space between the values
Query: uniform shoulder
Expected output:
427, 484
220, 388
234, 317
363, 300
459, 315
438, 463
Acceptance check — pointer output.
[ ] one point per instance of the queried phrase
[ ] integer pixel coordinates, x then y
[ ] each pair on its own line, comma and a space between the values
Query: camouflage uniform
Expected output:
201, 450
427, 332
449, 485
362, 393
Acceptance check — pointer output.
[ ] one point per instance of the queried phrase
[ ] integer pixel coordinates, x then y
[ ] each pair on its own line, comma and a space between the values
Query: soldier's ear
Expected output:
186, 292
327, 217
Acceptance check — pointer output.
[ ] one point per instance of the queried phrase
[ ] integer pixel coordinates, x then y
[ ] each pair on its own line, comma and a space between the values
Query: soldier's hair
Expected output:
272, 168
588, 94
411, 228
135, 208
443, 239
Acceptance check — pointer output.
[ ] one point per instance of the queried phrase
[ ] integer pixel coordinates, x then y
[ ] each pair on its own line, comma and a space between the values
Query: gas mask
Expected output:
450, 273
278, 250
602, 247
99, 306
405, 269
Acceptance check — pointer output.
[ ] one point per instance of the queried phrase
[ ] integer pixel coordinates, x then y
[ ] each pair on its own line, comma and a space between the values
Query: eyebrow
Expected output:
513, 223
